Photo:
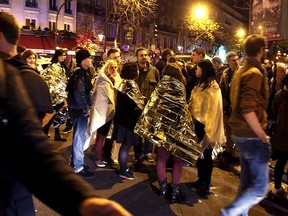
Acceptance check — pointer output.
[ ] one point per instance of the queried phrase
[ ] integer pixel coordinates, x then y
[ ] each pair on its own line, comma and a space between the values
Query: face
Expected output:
216, 65
62, 58
233, 62
198, 72
87, 63
31, 60
196, 57
266, 63
112, 69
142, 57
115, 56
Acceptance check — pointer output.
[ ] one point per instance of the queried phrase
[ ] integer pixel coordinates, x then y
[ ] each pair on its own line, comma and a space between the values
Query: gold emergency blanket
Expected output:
131, 88
166, 121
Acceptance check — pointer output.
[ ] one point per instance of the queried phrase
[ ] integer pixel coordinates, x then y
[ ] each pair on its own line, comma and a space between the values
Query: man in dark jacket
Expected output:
163, 61
29, 159
79, 102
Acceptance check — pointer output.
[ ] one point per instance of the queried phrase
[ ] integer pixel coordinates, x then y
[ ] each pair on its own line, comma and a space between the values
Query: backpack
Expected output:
72, 82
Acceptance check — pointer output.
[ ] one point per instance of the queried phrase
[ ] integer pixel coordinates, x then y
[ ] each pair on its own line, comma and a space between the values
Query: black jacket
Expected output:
28, 157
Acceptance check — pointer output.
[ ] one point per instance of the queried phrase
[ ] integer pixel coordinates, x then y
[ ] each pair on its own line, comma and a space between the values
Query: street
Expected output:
140, 196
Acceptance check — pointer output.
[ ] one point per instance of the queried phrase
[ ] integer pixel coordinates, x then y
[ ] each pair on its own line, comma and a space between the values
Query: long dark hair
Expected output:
208, 73
173, 70
57, 53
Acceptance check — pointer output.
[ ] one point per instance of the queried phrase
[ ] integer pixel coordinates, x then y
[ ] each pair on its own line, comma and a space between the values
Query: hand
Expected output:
102, 207
87, 113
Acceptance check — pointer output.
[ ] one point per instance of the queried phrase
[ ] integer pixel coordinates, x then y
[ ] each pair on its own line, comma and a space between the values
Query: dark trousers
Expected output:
279, 168
205, 165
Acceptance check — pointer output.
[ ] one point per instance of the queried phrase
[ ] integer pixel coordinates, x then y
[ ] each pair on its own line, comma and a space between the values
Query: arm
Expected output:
253, 122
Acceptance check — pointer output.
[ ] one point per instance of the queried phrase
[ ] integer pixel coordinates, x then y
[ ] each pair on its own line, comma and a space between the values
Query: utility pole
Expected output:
56, 23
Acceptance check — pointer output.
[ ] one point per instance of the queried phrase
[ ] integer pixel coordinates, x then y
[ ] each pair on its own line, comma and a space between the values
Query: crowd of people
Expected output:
166, 111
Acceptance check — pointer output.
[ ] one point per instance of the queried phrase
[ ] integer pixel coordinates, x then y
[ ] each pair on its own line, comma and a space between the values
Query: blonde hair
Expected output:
104, 69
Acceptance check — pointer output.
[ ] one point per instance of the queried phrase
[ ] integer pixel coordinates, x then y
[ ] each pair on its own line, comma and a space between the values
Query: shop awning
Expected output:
45, 43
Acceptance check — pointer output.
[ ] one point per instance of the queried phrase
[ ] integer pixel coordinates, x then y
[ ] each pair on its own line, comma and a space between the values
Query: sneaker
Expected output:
67, 130
128, 174
149, 157
100, 163
85, 173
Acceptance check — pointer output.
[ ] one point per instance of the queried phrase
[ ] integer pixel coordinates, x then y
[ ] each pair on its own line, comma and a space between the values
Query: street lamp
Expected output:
56, 23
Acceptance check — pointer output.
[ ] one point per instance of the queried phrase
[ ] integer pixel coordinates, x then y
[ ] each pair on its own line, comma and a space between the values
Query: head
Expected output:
29, 57
217, 62
167, 53
129, 71
267, 63
114, 54
254, 46
232, 60
59, 56
205, 72
110, 68
20, 49
173, 70
142, 56
104, 56
281, 72
198, 55
83, 59
9, 35
77, 48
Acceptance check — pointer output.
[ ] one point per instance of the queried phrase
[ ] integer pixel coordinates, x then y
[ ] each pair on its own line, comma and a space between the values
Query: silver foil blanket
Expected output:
131, 88
167, 123
56, 84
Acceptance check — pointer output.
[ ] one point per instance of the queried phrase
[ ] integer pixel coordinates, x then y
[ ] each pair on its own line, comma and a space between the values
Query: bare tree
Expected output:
131, 14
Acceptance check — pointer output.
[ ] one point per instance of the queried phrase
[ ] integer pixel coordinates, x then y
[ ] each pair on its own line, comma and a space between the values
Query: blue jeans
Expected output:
80, 123
254, 177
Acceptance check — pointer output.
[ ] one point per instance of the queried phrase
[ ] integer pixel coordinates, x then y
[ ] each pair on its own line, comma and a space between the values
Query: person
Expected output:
55, 76
129, 105
230, 153
198, 54
205, 106
46, 164
103, 108
168, 126
31, 58
163, 61
279, 140
79, 89
33, 82
219, 67
147, 81
268, 65
249, 98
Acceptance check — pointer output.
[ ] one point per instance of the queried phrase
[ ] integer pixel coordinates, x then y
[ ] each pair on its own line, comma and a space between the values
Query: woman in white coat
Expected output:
103, 107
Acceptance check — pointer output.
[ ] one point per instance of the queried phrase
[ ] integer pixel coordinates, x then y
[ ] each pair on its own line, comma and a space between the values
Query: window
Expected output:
31, 23
68, 7
31, 3
4, 1
52, 5
52, 26
66, 27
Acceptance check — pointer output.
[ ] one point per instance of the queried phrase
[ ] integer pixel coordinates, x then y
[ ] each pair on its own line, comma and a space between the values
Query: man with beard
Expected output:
249, 98
147, 81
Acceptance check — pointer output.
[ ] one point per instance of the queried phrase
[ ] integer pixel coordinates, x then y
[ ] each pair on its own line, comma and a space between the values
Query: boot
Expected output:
163, 188
58, 137
176, 196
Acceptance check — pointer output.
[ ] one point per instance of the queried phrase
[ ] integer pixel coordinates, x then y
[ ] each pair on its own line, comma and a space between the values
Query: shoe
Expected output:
163, 188
67, 130
149, 157
177, 196
128, 174
196, 185
139, 159
278, 191
86, 174
100, 164
59, 138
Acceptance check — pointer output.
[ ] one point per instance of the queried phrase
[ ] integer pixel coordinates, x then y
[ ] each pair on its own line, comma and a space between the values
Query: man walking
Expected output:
248, 121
